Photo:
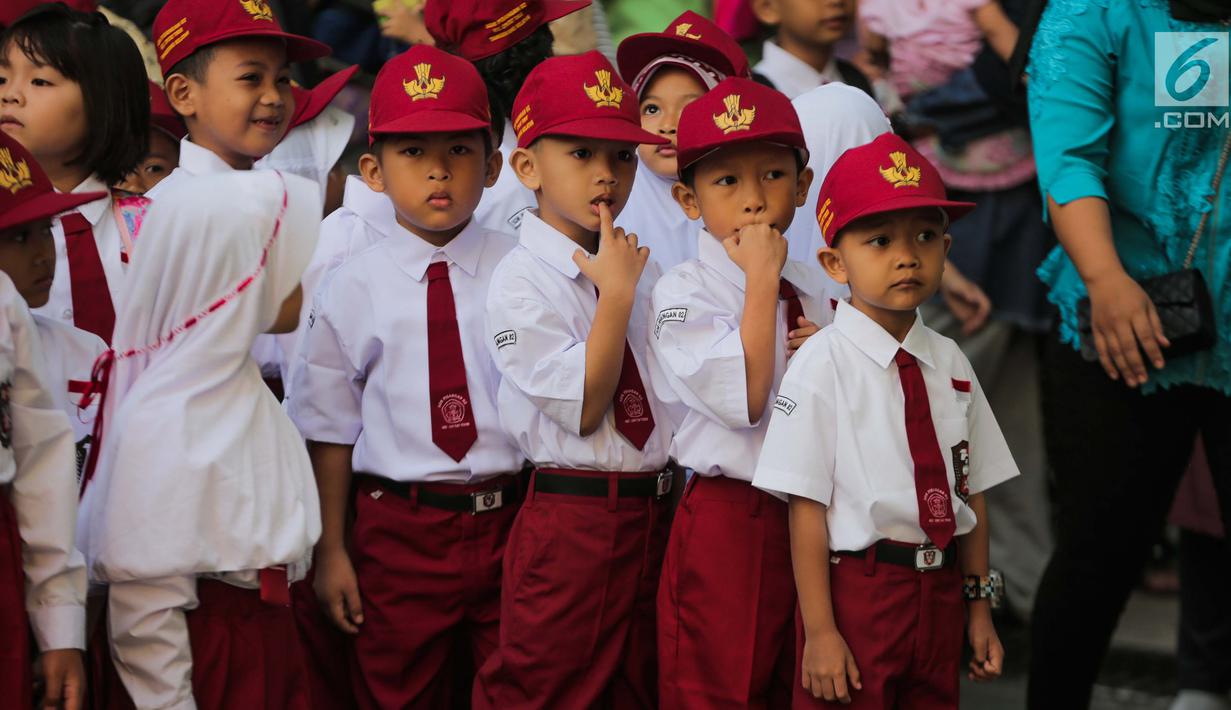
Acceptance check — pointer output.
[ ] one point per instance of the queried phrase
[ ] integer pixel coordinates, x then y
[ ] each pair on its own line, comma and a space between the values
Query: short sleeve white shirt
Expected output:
658, 221
68, 361
504, 204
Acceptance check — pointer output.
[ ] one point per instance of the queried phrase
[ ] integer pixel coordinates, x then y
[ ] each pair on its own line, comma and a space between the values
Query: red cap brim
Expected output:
636, 52
786, 140
610, 129
431, 122
298, 47
555, 9
955, 210
45, 206
318, 97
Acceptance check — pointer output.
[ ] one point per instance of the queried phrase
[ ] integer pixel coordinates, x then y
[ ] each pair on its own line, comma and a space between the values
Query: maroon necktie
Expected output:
931, 478
92, 308
453, 428
632, 409
794, 309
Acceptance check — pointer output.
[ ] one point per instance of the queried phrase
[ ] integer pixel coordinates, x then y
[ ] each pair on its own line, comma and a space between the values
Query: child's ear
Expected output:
495, 163
767, 12
831, 261
802, 185
180, 95
686, 198
948, 243
524, 167
370, 172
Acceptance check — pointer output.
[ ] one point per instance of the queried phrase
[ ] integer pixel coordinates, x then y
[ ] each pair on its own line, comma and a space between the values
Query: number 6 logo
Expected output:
1190, 68
1183, 64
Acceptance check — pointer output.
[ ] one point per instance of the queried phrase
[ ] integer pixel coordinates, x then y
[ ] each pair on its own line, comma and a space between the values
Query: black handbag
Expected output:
1181, 298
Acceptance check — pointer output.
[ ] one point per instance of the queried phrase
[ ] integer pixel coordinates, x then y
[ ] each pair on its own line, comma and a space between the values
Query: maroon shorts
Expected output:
16, 681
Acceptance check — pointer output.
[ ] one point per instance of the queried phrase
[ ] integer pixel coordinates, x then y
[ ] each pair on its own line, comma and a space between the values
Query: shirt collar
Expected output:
413, 254
196, 160
548, 244
93, 211
796, 71
713, 254
876, 342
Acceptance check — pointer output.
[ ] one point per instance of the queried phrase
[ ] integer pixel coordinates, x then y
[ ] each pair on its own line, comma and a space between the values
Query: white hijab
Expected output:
199, 469
835, 117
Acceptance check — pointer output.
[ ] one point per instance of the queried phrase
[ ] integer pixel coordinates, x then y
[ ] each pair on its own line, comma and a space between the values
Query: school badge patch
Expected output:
14, 174
604, 94
259, 9
425, 86
901, 174
735, 118
961, 470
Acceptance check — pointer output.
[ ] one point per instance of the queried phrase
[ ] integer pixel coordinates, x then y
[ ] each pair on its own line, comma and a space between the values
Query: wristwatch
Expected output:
990, 587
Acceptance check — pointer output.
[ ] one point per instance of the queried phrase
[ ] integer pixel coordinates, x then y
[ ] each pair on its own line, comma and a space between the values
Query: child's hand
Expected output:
63, 679
757, 249
797, 337
618, 265
988, 661
337, 589
829, 669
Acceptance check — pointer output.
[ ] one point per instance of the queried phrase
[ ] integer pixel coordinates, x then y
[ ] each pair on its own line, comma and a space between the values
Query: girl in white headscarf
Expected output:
202, 502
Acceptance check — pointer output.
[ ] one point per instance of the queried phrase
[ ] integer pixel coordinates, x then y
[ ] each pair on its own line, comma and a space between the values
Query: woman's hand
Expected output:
1125, 323
966, 301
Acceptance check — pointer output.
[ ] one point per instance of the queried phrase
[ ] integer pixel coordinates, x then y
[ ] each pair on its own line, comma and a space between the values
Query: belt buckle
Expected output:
665, 480
483, 501
929, 557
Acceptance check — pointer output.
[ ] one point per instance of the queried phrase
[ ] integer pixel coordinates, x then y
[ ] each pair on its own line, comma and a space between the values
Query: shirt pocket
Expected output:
953, 435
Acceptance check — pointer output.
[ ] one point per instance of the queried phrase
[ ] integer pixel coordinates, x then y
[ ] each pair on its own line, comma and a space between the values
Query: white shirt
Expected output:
539, 311
36, 467
698, 306
363, 376
838, 431
503, 204
101, 217
658, 221
194, 160
790, 74
68, 361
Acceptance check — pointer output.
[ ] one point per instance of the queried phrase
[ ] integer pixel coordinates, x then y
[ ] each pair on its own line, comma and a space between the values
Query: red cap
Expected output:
310, 102
579, 95
26, 194
738, 110
689, 35
428, 90
184, 26
10, 10
162, 116
882, 176
480, 28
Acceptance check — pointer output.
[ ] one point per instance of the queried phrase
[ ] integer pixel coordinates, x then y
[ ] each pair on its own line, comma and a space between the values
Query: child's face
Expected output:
157, 164
28, 256
748, 183
812, 22
41, 109
571, 176
892, 261
243, 107
435, 180
662, 100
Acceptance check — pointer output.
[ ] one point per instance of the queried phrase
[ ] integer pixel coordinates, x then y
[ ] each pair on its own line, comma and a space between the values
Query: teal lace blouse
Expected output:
1093, 118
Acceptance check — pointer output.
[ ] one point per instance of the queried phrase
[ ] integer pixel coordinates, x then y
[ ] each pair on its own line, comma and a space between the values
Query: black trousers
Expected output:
1117, 457
1204, 655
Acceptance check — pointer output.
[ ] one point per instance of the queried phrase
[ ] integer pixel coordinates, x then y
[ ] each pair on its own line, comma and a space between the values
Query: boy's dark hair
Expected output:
689, 175
105, 62
195, 65
505, 72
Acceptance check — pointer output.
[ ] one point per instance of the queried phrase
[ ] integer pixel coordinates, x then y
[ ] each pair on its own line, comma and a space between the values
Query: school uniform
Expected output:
658, 221
69, 356
504, 204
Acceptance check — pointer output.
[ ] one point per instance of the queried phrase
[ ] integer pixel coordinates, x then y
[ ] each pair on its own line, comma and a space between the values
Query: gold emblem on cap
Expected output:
604, 94
14, 174
901, 174
736, 118
681, 30
259, 9
425, 86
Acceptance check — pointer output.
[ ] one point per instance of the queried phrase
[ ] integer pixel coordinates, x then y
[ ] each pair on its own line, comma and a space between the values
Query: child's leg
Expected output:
16, 682
727, 601
327, 650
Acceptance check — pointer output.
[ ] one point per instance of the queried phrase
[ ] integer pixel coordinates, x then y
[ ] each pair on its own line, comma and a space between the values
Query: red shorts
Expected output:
16, 681
326, 649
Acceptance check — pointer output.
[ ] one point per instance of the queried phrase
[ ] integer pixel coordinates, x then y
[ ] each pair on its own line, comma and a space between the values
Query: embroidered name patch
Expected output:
784, 405
667, 315
505, 337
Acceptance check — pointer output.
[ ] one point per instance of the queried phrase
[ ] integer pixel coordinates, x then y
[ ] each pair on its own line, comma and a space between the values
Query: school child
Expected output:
163, 153
71, 89
200, 506
226, 68
506, 40
800, 53
396, 393
668, 70
568, 320
884, 441
726, 324
42, 575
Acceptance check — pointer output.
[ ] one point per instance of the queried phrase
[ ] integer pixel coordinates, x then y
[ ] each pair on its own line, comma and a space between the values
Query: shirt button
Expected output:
68, 314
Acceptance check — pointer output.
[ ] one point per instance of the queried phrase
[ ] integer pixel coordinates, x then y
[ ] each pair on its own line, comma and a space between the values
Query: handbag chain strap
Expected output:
1205, 217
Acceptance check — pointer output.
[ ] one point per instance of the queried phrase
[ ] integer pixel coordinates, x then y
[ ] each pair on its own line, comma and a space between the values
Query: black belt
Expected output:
918, 557
650, 486
475, 502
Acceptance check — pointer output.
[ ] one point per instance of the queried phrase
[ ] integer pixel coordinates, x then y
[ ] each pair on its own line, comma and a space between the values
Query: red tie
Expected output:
92, 309
453, 428
632, 409
794, 309
931, 479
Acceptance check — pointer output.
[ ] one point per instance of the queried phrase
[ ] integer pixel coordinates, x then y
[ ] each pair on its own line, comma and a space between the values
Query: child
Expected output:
71, 89
435, 478
162, 156
505, 39
727, 323
42, 575
568, 316
885, 443
202, 505
800, 54
668, 70
226, 64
